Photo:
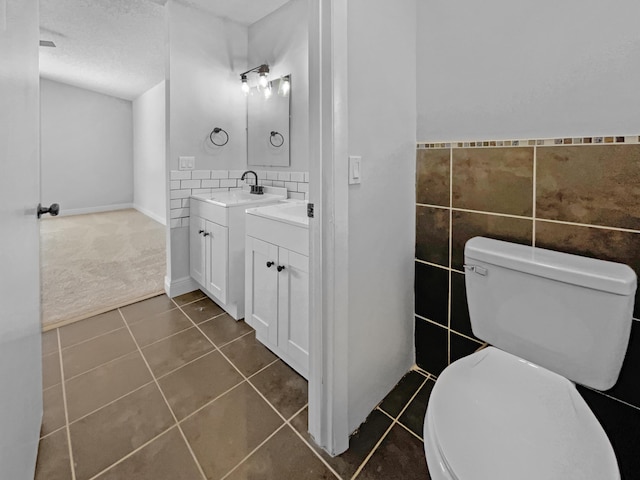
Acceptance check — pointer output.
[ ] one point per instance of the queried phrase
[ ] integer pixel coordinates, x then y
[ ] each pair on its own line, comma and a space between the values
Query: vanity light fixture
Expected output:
268, 91
263, 78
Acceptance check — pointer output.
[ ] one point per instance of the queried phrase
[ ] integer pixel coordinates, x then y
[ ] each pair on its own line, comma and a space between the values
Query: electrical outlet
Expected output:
187, 163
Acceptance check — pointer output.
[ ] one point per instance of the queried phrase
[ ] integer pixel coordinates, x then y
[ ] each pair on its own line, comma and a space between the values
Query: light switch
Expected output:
187, 163
355, 170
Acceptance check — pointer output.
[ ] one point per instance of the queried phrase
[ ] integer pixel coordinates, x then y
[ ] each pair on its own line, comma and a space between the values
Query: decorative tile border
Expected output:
184, 183
630, 139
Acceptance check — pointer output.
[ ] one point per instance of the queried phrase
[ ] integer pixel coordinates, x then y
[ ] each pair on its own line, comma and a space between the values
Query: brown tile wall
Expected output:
579, 196
582, 199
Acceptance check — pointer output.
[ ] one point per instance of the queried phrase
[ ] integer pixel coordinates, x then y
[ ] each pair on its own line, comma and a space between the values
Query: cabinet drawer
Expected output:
209, 211
278, 233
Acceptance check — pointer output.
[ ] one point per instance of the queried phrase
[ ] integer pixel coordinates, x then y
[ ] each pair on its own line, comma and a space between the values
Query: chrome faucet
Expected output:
255, 189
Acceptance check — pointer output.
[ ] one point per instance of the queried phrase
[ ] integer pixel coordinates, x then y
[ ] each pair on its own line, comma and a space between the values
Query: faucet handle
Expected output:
257, 189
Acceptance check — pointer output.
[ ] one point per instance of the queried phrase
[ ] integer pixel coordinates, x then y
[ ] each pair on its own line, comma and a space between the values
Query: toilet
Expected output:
511, 411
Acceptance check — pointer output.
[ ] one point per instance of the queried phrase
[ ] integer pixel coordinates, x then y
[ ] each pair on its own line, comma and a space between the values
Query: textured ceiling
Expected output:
117, 47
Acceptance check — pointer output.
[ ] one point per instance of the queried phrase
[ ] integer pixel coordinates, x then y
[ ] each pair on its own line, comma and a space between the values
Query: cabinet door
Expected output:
197, 249
217, 252
293, 309
261, 292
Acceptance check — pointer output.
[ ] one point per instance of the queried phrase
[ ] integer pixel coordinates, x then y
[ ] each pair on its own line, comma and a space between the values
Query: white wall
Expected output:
206, 56
149, 154
382, 122
502, 69
281, 40
86, 149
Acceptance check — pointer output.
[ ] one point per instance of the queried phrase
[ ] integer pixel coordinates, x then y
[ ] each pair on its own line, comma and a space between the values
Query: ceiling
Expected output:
117, 47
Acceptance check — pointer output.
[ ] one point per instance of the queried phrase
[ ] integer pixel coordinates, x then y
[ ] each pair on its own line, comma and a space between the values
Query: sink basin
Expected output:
242, 197
294, 213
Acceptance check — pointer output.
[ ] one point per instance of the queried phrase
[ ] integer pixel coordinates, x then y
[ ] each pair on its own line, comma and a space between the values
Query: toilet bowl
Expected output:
511, 411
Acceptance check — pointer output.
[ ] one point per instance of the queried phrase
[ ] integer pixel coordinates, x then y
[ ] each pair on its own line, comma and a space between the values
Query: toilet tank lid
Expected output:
586, 272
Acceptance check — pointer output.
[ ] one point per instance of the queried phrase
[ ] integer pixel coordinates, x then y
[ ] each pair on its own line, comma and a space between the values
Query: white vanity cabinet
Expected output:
277, 282
216, 244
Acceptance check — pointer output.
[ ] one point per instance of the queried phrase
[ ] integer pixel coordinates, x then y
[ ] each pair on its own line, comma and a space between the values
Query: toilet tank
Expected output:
567, 313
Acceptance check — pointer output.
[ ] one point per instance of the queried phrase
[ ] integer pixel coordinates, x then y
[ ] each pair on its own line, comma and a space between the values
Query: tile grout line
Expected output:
393, 422
177, 424
88, 339
247, 379
131, 454
101, 365
425, 262
66, 410
111, 402
445, 327
535, 192
450, 256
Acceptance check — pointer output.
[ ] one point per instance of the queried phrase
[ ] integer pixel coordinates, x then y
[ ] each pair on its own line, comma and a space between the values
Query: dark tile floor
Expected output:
178, 390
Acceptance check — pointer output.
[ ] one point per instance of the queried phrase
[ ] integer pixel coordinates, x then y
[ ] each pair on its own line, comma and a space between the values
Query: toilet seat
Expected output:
495, 416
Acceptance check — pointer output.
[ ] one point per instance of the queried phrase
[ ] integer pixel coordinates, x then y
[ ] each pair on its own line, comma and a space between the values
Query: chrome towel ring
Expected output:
276, 134
216, 131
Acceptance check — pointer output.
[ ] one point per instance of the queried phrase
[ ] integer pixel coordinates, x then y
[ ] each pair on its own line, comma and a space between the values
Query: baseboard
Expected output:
150, 214
103, 208
180, 286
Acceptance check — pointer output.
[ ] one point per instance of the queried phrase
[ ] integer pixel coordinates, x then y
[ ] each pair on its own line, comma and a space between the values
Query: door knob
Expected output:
280, 268
53, 210
200, 232
270, 264
206, 234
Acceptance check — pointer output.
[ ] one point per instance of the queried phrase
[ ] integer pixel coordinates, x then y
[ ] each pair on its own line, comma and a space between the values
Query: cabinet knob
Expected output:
206, 234
200, 232
280, 268
270, 264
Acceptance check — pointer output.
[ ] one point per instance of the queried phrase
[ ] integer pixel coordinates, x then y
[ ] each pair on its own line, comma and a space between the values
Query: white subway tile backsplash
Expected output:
179, 212
201, 174
186, 183
210, 183
190, 184
180, 194
180, 175
219, 174
228, 183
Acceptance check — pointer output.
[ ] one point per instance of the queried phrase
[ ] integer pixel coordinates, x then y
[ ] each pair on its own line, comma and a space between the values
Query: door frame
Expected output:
329, 230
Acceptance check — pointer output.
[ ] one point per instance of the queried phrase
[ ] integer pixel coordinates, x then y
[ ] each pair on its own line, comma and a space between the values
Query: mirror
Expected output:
268, 122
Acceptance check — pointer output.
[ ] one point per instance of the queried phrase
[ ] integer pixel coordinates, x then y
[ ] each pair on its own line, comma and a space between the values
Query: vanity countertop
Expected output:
291, 212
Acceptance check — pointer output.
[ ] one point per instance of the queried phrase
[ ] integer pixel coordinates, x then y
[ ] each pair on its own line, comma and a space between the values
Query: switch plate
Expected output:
187, 163
355, 170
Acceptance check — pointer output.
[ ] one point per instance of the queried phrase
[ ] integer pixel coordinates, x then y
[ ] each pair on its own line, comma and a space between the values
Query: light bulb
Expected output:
285, 87
262, 81
245, 85
268, 91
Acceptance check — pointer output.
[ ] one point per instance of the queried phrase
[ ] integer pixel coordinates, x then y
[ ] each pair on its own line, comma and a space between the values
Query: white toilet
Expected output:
511, 411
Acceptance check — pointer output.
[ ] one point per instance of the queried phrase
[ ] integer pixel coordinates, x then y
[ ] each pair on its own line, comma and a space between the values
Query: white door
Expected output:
20, 339
261, 292
217, 256
197, 249
293, 309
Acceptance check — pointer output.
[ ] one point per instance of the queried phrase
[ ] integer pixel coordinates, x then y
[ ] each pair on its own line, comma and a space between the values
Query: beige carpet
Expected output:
96, 262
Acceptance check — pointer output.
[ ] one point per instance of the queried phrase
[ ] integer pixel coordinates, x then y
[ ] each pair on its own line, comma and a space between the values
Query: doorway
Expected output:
102, 156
